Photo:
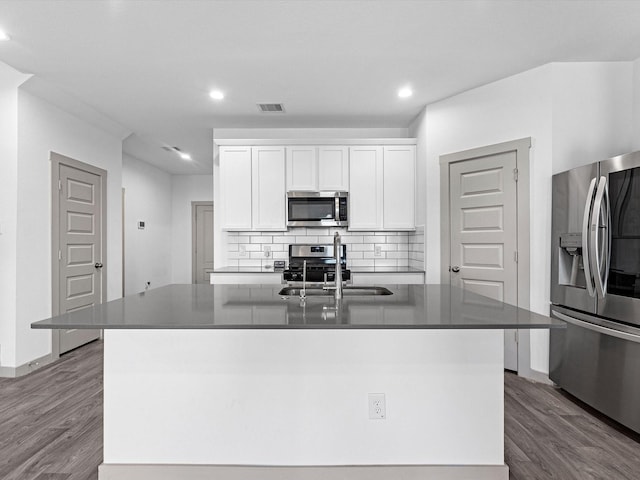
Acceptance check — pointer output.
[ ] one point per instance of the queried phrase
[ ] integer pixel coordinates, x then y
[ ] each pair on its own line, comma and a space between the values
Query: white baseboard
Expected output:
19, 371
241, 472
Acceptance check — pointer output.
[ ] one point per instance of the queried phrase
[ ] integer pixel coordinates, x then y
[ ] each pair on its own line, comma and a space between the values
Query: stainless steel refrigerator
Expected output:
595, 286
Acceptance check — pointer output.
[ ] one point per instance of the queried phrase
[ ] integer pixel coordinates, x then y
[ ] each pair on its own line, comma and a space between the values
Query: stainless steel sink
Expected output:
346, 291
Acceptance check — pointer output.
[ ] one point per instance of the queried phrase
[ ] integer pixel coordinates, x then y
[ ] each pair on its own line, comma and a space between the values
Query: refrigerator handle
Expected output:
586, 256
596, 328
599, 254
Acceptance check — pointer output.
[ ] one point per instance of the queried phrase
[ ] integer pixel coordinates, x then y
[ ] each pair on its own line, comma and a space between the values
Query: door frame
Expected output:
194, 205
56, 160
521, 147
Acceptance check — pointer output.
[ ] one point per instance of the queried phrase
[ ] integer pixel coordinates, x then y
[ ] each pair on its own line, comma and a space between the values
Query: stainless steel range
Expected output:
320, 263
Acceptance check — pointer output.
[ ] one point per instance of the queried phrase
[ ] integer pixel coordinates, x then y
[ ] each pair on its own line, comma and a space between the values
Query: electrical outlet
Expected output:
267, 250
377, 251
242, 250
377, 406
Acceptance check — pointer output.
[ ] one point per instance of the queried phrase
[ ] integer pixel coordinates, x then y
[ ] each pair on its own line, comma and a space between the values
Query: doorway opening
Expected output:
201, 241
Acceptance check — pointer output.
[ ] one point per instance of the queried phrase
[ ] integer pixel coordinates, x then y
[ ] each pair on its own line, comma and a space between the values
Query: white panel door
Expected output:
302, 168
483, 206
80, 257
203, 242
399, 191
333, 168
268, 188
235, 188
365, 188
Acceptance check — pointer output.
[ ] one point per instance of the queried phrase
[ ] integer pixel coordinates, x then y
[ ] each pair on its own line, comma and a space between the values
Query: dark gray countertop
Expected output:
246, 270
261, 307
359, 269
373, 269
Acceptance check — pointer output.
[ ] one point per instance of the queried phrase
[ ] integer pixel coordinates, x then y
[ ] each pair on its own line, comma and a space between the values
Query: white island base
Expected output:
291, 404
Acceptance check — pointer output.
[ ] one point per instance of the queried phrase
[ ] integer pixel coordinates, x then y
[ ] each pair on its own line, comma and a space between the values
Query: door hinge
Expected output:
59, 255
515, 256
59, 184
515, 174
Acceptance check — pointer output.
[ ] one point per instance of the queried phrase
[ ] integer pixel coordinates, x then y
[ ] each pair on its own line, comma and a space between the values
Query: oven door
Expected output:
622, 298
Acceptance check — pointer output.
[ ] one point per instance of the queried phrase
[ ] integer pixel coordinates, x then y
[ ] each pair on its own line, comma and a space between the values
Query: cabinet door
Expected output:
268, 192
235, 188
302, 168
333, 168
399, 180
365, 188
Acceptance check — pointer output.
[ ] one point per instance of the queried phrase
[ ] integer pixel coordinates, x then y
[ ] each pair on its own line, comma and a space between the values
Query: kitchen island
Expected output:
240, 382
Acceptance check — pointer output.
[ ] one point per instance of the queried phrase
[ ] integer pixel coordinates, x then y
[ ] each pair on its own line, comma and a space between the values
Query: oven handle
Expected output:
585, 239
599, 264
596, 328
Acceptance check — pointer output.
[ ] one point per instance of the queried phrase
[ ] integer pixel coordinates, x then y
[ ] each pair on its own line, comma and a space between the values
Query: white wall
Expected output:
10, 79
592, 112
42, 128
575, 113
418, 130
147, 198
186, 189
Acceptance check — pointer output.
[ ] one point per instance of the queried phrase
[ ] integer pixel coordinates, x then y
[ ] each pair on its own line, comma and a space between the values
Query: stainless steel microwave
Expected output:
317, 209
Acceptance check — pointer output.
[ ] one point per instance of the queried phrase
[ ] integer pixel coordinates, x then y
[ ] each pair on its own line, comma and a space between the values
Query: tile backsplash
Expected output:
393, 249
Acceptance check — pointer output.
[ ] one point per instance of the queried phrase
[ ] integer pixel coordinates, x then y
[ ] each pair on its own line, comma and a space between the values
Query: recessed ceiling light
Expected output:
216, 94
4, 36
405, 92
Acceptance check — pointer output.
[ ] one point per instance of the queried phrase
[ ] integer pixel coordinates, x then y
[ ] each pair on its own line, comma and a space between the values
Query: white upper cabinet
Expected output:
365, 188
399, 185
317, 168
382, 188
333, 168
302, 168
268, 188
252, 188
235, 188
380, 179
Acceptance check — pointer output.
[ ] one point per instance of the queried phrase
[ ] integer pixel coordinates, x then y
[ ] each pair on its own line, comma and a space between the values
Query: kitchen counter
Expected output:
264, 269
261, 307
373, 269
237, 381
354, 269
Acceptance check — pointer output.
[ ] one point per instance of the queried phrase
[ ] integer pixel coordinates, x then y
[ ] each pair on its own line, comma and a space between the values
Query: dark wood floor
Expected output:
51, 428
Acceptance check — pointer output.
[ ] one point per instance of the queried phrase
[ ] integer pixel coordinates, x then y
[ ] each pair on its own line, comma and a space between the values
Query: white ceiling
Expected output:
149, 64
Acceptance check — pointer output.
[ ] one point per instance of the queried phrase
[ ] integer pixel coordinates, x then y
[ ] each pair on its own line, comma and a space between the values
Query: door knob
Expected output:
455, 269
98, 265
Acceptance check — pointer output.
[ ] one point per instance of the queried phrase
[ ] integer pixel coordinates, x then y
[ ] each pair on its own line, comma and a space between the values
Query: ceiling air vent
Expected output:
271, 107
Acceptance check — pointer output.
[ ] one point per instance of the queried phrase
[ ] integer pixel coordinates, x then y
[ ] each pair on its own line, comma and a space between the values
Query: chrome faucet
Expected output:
303, 291
337, 247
